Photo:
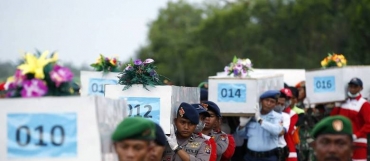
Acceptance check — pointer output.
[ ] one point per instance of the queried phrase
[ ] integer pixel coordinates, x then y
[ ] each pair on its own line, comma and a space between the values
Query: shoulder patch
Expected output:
207, 149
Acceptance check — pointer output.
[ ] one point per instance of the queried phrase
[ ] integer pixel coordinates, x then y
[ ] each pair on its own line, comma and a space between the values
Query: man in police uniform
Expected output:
220, 137
263, 130
132, 138
333, 139
183, 144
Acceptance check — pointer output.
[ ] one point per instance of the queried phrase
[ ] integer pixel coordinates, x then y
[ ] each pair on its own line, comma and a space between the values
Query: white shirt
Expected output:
285, 124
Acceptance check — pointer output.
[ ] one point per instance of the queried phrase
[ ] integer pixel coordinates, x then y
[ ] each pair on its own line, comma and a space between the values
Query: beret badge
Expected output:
181, 112
205, 106
338, 125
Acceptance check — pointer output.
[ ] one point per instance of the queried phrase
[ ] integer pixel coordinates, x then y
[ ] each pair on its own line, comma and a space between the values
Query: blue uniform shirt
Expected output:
263, 137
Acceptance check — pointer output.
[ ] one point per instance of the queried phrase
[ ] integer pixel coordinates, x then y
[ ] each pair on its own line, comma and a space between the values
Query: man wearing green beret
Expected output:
132, 138
333, 139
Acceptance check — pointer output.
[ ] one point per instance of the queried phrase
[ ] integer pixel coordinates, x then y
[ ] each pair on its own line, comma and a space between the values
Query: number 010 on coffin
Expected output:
330, 85
54, 128
158, 104
239, 96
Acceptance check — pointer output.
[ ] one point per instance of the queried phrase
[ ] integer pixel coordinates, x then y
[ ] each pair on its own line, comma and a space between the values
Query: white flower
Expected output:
148, 61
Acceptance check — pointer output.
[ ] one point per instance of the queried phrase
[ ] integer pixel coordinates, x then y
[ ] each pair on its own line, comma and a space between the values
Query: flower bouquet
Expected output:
334, 60
239, 67
138, 72
106, 64
40, 76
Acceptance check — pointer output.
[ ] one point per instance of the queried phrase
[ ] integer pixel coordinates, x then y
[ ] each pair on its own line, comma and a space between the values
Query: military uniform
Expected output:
219, 136
195, 146
221, 140
335, 125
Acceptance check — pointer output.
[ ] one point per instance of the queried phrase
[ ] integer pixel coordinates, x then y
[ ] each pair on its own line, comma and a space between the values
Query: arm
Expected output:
183, 155
241, 131
365, 116
203, 153
286, 123
274, 128
222, 144
293, 121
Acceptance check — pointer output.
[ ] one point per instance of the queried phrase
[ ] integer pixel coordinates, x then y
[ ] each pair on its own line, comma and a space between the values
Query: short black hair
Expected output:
294, 91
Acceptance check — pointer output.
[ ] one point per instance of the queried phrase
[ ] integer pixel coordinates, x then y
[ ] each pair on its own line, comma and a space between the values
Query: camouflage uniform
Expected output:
195, 146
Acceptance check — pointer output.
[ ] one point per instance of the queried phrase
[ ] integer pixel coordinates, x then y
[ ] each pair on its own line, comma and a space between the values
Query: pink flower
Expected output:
148, 61
60, 74
34, 88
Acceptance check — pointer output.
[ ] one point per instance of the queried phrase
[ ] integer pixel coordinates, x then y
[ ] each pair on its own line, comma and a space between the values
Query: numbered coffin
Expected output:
51, 128
158, 104
92, 83
239, 96
330, 85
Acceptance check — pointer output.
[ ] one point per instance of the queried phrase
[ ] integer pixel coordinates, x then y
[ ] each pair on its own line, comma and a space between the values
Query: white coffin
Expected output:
330, 85
160, 103
291, 76
68, 126
92, 83
239, 96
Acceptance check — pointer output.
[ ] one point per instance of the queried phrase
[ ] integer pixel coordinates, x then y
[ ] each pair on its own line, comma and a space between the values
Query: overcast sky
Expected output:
78, 29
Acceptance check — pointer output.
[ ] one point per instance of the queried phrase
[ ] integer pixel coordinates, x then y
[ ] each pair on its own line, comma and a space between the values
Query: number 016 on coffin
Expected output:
238, 96
158, 104
92, 83
330, 85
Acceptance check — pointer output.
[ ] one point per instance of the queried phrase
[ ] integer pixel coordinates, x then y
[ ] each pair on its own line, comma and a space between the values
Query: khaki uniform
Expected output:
222, 142
195, 146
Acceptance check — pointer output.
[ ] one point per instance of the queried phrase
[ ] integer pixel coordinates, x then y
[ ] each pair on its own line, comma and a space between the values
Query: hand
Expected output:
354, 137
243, 121
257, 116
172, 140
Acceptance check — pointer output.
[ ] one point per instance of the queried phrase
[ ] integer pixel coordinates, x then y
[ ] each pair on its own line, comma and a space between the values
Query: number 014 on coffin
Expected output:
158, 104
330, 85
236, 96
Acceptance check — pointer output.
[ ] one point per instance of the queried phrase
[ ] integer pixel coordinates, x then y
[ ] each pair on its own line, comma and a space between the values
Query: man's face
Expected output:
281, 101
354, 89
156, 152
268, 104
333, 147
184, 127
132, 150
211, 122
301, 93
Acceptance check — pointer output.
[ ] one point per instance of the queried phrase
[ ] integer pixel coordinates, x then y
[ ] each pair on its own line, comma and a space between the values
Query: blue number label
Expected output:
42, 135
96, 85
232, 92
324, 84
146, 107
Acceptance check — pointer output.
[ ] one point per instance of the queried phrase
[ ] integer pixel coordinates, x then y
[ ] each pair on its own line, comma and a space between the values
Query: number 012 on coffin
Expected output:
330, 85
158, 104
238, 96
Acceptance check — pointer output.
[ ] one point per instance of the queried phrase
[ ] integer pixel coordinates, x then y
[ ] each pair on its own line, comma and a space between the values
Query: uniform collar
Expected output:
356, 98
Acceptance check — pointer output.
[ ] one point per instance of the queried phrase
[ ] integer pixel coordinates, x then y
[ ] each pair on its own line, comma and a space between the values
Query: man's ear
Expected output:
174, 120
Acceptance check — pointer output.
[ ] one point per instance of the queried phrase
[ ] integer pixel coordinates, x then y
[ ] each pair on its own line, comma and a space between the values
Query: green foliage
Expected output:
106, 64
192, 42
140, 73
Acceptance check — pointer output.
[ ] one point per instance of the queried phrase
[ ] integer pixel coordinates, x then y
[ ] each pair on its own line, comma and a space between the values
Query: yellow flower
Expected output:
10, 79
324, 63
339, 64
36, 65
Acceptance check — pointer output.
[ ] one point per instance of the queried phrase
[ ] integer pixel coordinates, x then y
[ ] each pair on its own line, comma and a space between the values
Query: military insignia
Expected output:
181, 112
338, 125
223, 137
205, 106
194, 145
146, 132
207, 149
